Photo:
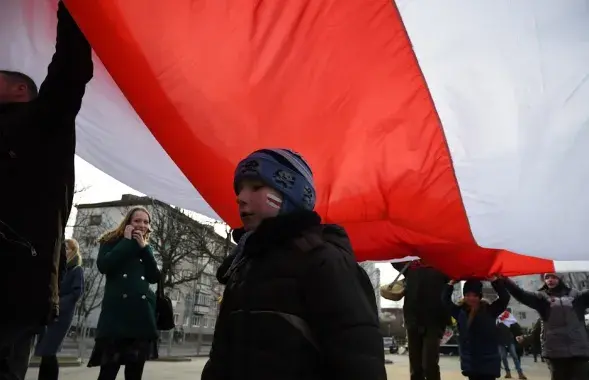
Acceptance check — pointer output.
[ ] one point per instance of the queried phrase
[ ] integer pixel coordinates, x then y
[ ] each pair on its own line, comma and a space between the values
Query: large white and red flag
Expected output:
452, 130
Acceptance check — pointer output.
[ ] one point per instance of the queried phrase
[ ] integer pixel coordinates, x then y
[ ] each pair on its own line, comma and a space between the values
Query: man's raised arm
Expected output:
69, 71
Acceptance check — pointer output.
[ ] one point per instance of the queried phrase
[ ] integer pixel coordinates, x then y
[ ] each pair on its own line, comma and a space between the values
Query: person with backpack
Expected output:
296, 303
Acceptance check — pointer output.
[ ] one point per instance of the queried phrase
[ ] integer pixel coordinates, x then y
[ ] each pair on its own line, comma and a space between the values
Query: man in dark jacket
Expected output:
37, 147
533, 339
426, 318
565, 345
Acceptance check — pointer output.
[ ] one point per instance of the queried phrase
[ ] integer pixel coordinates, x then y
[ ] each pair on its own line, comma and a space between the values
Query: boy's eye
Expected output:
257, 187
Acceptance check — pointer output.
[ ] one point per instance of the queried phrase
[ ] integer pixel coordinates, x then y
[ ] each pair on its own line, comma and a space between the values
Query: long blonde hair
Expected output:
74, 247
118, 232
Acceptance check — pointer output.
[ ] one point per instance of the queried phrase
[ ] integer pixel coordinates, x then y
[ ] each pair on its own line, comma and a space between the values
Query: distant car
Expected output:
449, 349
391, 345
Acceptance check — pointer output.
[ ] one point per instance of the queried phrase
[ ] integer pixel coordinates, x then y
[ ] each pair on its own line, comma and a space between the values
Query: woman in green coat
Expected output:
126, 333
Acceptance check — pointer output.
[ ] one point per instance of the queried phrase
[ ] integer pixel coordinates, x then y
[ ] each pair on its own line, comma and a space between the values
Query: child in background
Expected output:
477, 333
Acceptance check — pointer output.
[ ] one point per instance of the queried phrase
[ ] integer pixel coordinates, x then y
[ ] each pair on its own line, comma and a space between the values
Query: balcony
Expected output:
201, 309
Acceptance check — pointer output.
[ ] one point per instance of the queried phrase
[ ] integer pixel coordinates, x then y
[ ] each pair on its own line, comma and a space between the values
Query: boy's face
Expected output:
257, 202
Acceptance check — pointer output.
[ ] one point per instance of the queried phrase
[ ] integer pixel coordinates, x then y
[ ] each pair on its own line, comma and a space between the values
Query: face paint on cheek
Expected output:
273, 201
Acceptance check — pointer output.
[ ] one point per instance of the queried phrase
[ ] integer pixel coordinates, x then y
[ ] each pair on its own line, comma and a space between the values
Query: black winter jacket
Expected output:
37, 147
478, 341
299, 308
507, 335
422, 306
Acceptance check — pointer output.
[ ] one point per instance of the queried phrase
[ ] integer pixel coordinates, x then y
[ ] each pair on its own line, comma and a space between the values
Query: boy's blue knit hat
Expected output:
283, 170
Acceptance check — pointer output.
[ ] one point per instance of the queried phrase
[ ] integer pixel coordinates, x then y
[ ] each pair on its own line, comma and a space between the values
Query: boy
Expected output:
296, 304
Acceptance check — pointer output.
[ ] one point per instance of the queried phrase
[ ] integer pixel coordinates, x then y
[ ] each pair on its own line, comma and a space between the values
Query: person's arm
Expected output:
528, 339
152, 273
110, 258
584, 298
77, 288
446, 295
500, 304
68, 73
341, 311
530, 299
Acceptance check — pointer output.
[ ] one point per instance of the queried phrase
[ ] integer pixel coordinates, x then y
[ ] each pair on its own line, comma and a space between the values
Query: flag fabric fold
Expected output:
454, 132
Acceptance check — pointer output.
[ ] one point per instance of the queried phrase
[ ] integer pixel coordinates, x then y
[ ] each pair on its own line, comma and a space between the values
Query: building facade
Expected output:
195, 302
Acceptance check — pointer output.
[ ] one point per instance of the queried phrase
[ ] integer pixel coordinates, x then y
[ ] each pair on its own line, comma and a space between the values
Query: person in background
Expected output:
126, 334
296, 305
37, 148
425, 317
477, 331
565, 345
534, 340
70, 291
507, 330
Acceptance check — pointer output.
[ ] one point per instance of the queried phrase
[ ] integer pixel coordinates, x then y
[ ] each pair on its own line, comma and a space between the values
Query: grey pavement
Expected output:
192, 370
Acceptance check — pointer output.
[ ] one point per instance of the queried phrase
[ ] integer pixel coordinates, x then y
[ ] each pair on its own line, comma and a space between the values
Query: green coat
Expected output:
128, 306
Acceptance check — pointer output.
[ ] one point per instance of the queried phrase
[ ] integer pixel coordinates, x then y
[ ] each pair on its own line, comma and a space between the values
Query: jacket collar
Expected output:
280, 228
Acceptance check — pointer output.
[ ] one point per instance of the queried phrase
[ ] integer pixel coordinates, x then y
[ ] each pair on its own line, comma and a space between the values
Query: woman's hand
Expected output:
138, 236
492, 278
128, 234
451, 282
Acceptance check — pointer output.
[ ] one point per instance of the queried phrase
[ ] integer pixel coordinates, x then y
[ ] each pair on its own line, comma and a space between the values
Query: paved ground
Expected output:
191, 370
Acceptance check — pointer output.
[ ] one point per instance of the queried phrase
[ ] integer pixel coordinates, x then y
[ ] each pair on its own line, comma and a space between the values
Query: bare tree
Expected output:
184, 246
577, 280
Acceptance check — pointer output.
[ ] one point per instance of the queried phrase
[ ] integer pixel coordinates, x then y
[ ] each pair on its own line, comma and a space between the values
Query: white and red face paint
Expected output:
273, 201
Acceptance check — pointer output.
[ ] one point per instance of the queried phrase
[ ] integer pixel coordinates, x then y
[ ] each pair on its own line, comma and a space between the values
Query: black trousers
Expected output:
15, 351
133, 371
568, 369
536, 354
49, 368
424, 352
481, 377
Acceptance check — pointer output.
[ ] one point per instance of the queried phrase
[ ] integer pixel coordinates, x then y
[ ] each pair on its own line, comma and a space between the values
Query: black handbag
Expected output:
164, 311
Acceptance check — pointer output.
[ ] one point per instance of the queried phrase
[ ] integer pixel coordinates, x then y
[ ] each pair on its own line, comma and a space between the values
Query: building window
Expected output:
176, 317
205, 280
196, 320
521, 315
202, 300
206, 322
95, 220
